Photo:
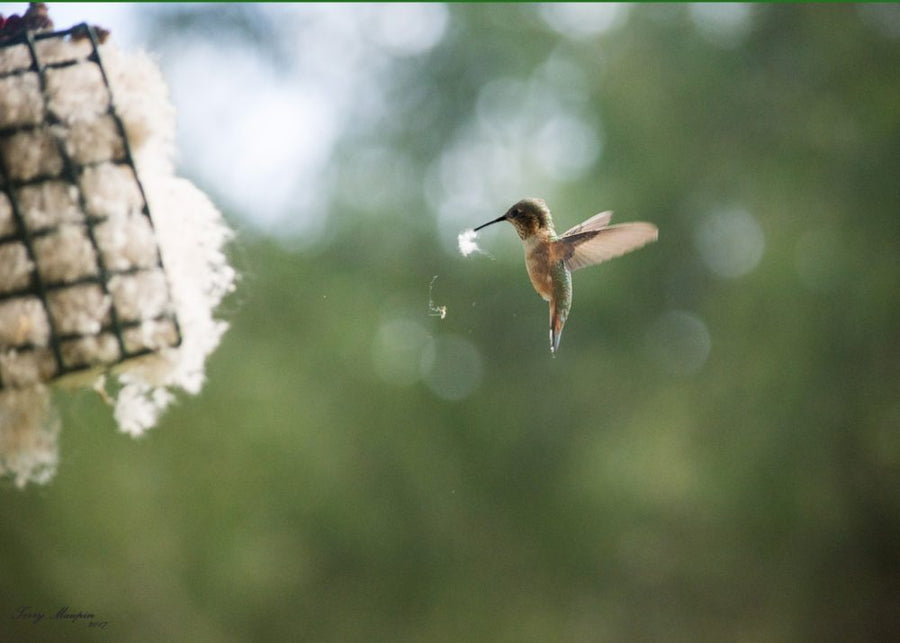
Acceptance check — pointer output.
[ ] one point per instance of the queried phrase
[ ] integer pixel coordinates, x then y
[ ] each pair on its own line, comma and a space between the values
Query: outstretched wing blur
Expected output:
596, 222
593, 242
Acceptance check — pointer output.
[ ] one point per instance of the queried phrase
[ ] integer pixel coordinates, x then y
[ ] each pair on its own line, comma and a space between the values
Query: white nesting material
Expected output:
90, 350
201, 277
56, 50
7, 220
80, 309
14, 58
142, 103
76, 93
66, 254
23, 321
110, 190
127, 242
49, 204
150, 335
21, 102
15, 266
20, 368
142, 295
31, 154
28, 439
101, 220
92, 141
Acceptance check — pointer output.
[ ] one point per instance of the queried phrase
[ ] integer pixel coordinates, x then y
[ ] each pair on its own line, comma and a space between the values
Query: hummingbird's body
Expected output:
550, 259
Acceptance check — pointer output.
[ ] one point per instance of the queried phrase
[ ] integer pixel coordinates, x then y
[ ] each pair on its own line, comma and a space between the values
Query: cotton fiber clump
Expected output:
109, 263
466, 242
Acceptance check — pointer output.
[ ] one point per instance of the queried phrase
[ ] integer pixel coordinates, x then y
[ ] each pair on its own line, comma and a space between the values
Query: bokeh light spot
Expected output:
730, 242
580, 20
679, 342
397, 351
884, 18
409, 29
722, 23
569, 147
451, 367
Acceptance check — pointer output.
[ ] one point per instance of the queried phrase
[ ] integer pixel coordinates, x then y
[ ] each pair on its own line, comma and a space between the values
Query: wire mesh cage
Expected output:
82, 283
94, 292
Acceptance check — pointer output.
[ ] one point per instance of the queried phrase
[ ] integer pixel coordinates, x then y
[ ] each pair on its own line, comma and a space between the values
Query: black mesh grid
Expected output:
72, 170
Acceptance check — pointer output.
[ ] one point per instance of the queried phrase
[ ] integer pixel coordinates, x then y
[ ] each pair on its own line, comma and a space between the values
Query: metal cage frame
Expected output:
71, 172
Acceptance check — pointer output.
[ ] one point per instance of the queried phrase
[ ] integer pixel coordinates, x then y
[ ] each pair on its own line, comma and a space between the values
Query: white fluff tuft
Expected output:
191, 235
28, 437
466, 242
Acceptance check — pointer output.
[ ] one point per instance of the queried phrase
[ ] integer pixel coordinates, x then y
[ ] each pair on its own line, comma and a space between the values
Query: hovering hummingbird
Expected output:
551, 259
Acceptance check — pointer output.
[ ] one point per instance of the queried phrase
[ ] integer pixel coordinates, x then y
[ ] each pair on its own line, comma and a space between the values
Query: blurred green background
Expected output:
714, 454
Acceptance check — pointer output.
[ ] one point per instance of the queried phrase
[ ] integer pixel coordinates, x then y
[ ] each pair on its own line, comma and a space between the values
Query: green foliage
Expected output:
608, 494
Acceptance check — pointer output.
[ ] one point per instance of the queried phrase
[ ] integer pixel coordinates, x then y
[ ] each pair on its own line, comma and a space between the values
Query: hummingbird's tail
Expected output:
557, 321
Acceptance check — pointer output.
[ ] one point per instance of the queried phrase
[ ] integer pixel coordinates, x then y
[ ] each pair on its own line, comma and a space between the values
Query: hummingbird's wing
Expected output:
586, 248
596, 222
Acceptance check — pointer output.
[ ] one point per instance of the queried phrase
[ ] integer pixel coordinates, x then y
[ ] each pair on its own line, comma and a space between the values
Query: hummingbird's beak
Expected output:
484, 225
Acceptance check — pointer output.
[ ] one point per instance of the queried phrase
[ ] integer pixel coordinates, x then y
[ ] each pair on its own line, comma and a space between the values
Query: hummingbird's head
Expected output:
528, 216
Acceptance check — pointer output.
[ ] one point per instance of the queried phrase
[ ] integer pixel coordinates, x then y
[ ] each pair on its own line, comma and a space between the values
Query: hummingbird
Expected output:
551, 259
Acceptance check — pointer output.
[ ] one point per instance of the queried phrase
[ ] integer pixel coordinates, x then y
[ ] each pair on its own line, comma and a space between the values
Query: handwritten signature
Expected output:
37, 616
